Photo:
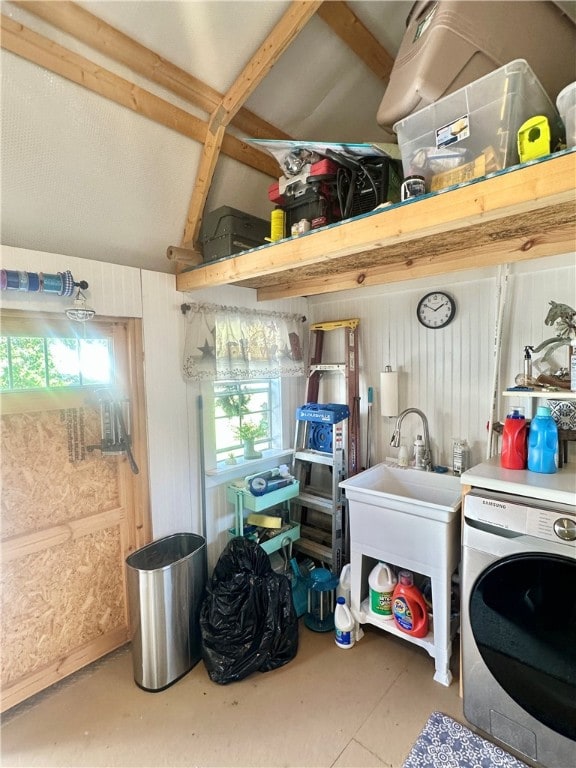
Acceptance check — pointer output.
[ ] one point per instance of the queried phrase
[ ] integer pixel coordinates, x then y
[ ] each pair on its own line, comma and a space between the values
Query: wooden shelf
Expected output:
524, 212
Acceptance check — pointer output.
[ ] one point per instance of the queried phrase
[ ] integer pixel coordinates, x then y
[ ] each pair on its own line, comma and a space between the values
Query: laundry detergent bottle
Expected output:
381, 582
543, 442
409, 607
514, 450
344, 585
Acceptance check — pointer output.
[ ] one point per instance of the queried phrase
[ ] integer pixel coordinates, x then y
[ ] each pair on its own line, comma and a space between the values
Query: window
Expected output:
246, 411
49, 362
35, 362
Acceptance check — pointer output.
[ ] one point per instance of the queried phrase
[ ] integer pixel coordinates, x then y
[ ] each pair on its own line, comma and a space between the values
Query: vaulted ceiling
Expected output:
123, 121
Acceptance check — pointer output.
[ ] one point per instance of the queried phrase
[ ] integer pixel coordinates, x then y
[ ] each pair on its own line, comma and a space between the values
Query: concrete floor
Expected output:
358, 708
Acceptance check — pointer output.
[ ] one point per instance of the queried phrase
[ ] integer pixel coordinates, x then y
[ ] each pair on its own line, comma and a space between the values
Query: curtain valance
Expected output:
231, 343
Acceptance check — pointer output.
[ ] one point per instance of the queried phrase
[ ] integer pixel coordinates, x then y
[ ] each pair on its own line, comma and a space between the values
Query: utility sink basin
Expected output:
429, 494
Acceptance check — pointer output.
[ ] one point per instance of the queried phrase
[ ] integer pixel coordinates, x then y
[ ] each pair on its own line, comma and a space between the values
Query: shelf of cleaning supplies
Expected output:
367, 617
546, 395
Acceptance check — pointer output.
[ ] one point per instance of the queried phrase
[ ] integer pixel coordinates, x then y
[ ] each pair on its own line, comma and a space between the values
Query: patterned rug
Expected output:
444, 743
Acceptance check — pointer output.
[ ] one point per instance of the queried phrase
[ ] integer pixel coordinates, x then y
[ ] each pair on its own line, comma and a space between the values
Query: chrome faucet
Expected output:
425, 463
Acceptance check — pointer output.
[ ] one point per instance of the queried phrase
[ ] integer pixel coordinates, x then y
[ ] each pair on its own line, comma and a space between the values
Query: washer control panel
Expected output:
518, 515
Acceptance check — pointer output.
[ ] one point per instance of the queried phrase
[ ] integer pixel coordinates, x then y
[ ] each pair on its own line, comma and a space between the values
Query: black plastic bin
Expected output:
166, 582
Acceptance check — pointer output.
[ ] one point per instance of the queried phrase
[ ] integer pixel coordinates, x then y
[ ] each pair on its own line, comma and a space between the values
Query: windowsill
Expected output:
229, 472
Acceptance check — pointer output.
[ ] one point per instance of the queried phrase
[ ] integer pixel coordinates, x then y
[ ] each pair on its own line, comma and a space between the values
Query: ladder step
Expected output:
328, 367
315, 457
314, 549
321, 503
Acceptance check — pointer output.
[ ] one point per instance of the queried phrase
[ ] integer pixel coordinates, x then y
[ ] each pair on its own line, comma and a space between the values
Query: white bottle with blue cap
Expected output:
343, 624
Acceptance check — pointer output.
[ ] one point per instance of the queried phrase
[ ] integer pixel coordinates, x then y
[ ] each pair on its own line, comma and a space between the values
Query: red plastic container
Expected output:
514, 449
408, 606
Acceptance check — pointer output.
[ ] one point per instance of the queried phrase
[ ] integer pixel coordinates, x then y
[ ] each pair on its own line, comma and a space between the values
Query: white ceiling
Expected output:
86, 177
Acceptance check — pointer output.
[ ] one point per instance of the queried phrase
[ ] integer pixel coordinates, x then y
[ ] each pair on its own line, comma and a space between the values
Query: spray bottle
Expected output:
525, 379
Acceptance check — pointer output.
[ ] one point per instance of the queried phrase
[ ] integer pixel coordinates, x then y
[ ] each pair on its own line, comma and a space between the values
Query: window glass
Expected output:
51, 362
245, 410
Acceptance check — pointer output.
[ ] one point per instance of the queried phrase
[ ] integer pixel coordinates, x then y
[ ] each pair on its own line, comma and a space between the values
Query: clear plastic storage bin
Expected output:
566, 103
473, 131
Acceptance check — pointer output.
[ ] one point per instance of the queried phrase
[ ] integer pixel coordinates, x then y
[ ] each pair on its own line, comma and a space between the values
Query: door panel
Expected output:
69, 520
523, 619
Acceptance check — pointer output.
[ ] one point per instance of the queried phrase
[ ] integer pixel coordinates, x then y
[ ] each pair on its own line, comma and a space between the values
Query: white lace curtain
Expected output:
231, 343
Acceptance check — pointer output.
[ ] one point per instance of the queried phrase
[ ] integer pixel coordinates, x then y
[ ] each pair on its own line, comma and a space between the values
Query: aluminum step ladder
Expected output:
319, 465
327, 453
349, 369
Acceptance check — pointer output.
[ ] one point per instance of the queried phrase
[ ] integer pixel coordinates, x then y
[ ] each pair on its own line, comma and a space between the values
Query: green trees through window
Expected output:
243, 411
46, 362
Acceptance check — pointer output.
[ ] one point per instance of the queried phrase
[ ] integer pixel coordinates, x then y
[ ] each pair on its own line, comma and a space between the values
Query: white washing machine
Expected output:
519, 624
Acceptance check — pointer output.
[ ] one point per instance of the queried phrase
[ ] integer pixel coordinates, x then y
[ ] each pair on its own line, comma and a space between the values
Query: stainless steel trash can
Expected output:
166, 582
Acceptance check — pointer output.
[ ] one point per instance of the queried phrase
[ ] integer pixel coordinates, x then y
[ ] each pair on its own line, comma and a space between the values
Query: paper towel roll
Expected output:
389, 392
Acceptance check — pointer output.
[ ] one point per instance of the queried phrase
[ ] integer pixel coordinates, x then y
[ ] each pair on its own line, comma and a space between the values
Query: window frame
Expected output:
19, 323
217, 460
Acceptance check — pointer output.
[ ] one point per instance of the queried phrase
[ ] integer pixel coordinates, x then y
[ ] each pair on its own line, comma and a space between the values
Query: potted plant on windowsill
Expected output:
247, 433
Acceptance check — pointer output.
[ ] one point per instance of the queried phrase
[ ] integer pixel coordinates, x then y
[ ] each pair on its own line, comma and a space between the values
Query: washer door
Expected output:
523, 619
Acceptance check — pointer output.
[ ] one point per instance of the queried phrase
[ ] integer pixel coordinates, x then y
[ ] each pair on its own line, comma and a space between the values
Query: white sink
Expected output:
436, 496
410, 520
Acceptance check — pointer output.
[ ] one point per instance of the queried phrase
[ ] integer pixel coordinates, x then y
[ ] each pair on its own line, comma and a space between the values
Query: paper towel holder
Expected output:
389, 392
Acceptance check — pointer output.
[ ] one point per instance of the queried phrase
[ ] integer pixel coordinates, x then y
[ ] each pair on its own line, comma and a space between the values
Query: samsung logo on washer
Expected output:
496, 504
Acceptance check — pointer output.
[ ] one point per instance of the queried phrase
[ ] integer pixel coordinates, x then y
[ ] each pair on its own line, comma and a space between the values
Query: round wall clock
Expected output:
436, 309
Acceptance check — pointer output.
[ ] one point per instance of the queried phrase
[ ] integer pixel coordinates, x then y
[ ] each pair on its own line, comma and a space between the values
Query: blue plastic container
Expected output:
543, 442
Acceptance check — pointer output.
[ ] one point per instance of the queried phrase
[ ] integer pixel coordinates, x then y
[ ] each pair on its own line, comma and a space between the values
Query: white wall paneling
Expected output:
173, 463
448, 373
113, 290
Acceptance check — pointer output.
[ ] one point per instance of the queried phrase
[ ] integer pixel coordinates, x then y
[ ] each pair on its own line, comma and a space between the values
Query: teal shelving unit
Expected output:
243, 501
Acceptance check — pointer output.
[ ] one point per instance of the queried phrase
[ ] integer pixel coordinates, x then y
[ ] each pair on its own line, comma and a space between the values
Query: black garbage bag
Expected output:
247, 620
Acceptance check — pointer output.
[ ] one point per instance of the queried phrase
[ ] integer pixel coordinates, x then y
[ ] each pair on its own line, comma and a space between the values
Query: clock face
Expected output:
436, 310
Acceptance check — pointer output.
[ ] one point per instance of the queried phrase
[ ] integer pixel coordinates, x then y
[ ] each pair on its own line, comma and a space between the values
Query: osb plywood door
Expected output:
70, 515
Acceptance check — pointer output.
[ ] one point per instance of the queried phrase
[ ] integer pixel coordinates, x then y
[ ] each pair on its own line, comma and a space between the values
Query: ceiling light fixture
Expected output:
80, 311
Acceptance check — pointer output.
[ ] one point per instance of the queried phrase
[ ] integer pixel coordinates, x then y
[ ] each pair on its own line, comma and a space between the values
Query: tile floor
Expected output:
360, 708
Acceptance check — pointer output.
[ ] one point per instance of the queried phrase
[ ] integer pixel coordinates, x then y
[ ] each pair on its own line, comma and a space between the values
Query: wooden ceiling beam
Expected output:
96, 33
33, 47
283, 34
344, 23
